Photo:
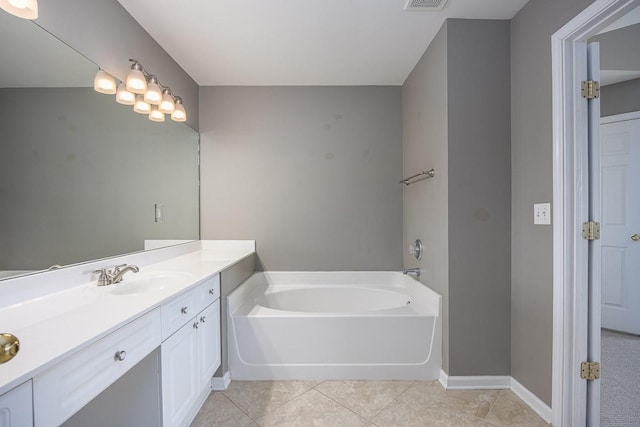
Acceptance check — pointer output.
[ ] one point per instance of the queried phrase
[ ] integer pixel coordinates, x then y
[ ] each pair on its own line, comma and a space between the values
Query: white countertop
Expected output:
54, 325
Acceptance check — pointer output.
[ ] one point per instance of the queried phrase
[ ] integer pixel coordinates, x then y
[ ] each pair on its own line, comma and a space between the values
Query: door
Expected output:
208, 343
620, 241
594, 275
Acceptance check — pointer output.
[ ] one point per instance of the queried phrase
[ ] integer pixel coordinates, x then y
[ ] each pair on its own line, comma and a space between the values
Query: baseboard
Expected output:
531, 399
475, 382
221, 383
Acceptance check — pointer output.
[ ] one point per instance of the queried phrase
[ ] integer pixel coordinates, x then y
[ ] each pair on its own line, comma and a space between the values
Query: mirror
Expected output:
82, 177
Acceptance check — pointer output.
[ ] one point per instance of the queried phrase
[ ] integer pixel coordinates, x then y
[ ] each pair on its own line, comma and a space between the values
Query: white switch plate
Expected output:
542, 213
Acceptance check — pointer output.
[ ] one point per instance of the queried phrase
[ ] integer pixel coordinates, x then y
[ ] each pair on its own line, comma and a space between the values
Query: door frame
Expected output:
570, 200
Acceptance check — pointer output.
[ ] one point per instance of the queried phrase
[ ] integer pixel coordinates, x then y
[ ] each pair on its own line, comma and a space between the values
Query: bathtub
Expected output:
333, 325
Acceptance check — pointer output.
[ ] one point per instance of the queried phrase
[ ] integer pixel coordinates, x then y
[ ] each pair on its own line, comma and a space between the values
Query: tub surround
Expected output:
56, 314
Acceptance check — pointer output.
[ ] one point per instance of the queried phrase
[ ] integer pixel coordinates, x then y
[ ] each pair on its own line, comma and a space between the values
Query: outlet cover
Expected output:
542, 213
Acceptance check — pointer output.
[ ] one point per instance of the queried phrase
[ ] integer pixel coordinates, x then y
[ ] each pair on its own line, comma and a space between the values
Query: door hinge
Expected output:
591, 230
590, 371
590, 89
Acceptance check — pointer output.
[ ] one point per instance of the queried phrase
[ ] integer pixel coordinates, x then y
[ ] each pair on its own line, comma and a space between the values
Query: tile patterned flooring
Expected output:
361, 403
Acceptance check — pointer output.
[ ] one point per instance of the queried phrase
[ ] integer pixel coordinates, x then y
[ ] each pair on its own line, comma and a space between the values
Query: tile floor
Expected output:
361, 403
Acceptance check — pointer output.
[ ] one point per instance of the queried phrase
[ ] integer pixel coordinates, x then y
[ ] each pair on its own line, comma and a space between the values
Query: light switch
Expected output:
542, 213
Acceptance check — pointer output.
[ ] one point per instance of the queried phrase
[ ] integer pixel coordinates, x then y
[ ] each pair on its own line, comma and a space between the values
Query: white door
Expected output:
620, 232
208, 343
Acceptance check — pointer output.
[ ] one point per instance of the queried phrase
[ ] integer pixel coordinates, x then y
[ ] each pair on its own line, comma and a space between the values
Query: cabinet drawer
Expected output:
208, 292
68, 386
178, 312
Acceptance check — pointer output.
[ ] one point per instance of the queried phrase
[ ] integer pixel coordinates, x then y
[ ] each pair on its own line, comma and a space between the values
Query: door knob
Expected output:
635, 237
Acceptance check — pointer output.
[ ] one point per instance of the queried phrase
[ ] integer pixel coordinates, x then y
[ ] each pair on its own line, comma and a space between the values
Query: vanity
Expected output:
78, 339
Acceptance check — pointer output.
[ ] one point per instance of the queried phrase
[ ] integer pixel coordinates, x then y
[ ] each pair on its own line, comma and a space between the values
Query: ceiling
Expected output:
301, 42
31, 57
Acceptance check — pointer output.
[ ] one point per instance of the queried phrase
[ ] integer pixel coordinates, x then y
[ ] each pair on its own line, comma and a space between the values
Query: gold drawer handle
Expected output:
635, 237
9, 347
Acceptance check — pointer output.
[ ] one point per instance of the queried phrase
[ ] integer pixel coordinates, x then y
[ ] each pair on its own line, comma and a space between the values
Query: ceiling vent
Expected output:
425, 5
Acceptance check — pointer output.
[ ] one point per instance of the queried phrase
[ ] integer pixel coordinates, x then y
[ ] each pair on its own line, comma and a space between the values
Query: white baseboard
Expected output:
496, 383
532, 400
221, 383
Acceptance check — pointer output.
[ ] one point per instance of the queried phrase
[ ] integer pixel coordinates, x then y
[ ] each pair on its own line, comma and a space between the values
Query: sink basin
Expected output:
141, 283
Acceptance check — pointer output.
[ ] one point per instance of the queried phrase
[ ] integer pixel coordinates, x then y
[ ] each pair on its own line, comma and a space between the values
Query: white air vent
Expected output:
425, 5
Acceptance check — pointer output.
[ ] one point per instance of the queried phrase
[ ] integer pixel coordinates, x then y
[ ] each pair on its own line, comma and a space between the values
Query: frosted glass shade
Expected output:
153, 95
104, 83
141, 106
167, 106
136, 82
156, 115
124, 97
26, 9
179, 114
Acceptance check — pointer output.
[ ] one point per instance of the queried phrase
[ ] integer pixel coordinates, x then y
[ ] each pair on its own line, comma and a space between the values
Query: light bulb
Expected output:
27, 9
141, 106
136, 83
179, 114
104, 83
153, 95
167, 105
156, 115
124, 97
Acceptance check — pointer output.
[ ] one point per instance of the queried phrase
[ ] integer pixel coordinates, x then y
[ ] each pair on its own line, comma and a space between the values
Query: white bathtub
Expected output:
334, 325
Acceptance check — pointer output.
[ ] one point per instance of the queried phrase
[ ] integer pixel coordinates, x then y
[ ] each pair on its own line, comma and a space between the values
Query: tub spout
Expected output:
412, 271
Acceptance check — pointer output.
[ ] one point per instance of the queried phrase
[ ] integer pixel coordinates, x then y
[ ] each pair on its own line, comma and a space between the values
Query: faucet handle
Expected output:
103, 279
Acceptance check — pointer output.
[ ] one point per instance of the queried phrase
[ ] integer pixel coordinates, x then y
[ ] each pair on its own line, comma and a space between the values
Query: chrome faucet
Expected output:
412, 271
114, 275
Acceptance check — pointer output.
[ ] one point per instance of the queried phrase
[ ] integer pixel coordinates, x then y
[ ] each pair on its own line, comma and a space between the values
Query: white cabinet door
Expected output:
208, 343
180, 382
620, 233
16, 407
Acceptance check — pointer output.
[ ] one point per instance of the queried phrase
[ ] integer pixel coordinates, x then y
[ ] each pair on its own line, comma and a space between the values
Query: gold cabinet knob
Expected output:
635, 237
9, 346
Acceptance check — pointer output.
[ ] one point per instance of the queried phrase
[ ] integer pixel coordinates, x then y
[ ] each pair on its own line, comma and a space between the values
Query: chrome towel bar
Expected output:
420, 176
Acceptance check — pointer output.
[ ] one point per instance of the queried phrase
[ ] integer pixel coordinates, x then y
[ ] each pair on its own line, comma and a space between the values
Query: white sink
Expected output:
138, 283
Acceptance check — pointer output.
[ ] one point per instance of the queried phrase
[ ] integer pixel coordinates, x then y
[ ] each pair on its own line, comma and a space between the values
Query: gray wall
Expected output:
104, 32
463, 214
310, 173
620, 98
619, 49
80, 174
425, 133
479, 197
531, 182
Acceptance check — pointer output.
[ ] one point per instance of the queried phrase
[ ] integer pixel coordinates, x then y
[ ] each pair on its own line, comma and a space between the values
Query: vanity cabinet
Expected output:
16, 407
191, 355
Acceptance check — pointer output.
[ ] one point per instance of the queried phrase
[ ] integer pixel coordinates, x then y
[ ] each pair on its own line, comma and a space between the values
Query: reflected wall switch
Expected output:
542, 213
158, 212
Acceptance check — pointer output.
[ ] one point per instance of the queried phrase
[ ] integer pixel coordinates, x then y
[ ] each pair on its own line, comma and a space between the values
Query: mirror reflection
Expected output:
82, 177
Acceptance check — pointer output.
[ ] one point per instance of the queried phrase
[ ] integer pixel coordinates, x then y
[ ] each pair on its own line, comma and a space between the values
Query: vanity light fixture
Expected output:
104, 82
123, 96
179, 114
142, 90
26, 9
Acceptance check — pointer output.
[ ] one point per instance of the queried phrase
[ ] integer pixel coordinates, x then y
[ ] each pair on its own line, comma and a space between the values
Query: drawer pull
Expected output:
120, 355
195, 325
212, 291
203, 318
184, 310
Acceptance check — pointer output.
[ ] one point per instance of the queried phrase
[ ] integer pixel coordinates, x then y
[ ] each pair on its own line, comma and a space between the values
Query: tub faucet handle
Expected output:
412, 271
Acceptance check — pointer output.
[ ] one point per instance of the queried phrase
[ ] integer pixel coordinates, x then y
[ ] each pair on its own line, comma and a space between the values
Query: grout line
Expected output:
393, 400
348, 409
493, 404
236, 405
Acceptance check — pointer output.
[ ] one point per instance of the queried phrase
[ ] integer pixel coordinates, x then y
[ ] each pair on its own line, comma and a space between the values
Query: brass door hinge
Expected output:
591, 230
590, 371
590, 89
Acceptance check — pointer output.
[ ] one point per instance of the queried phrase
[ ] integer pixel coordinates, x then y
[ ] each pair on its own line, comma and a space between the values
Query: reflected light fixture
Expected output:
153, 95
156, 115
26, 9
142, 90
123, 96
104, 82
179, 114
141, 106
